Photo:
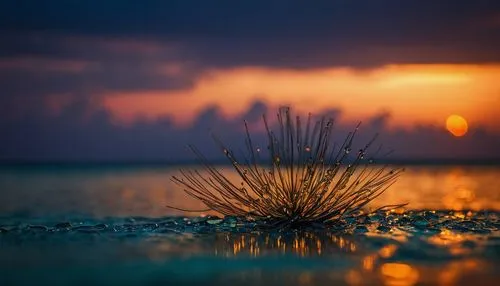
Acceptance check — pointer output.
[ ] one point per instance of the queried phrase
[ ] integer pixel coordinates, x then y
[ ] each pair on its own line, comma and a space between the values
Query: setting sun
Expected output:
456, 125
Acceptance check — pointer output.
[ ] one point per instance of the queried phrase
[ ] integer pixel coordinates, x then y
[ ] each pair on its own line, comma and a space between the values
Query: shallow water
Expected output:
108, 225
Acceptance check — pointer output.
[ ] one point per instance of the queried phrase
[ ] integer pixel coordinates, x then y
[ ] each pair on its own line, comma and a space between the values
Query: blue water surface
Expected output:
95, 225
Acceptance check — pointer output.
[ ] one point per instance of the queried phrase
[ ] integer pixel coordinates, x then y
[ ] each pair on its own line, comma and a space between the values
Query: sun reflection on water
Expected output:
262, 244
379, 263
396, 274
452, 272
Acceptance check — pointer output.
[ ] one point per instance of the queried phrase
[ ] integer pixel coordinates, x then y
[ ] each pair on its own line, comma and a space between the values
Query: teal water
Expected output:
107, 225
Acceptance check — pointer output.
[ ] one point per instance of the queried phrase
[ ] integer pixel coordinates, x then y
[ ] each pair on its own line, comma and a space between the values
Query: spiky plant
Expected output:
305, 179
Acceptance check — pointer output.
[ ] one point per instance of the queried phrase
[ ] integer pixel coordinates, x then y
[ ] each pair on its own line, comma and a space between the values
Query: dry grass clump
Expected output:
301, 179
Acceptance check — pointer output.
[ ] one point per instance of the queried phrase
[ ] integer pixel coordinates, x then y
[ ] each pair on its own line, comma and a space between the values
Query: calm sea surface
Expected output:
91, 224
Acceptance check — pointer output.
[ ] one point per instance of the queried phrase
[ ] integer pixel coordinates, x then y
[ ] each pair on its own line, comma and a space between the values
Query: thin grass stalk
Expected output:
308, 179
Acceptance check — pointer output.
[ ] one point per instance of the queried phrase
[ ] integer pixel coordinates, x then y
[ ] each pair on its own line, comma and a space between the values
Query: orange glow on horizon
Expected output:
413, 94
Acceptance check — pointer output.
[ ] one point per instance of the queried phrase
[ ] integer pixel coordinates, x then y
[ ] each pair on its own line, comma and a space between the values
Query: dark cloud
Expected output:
28, 91
85, 132
80, 48
289, 33
375, 20
114, 75
34, 66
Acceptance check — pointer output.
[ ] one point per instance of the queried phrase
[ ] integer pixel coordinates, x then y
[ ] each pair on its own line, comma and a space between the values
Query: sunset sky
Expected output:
137, 80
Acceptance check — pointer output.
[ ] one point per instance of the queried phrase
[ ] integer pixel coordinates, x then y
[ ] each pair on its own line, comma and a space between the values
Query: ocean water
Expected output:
108, 224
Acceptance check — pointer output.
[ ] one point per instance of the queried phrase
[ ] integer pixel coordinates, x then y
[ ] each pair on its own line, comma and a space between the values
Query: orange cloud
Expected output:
413, 94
